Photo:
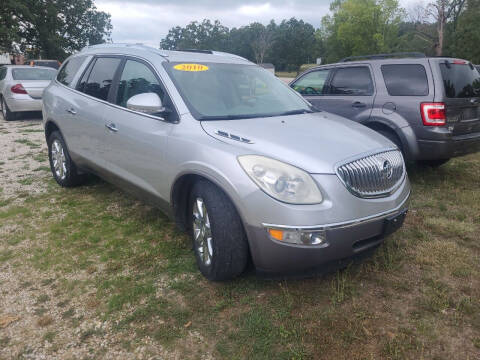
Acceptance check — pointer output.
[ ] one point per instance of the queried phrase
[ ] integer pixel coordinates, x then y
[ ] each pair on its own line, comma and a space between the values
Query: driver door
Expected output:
136, 142
313, 86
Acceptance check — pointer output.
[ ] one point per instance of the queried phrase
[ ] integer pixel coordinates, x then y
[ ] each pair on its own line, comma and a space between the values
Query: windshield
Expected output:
33, 74
460, 80
214, 91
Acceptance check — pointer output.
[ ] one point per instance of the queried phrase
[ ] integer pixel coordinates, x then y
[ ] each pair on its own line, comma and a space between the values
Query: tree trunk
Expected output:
440, 30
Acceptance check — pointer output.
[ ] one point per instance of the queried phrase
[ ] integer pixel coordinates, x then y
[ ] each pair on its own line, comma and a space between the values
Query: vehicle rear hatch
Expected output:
461, 82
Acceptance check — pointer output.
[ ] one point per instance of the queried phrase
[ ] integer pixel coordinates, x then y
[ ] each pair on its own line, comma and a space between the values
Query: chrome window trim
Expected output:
115, 105
345, 224
365, 155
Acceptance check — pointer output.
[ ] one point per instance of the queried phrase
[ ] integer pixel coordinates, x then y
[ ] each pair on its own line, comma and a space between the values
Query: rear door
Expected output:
87, 129
461, 95
350, 92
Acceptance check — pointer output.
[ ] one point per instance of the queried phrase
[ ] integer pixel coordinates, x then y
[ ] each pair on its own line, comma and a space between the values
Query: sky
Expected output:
148, 21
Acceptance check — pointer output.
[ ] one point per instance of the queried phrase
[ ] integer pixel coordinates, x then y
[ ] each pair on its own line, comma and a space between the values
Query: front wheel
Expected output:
219, 241
63, 168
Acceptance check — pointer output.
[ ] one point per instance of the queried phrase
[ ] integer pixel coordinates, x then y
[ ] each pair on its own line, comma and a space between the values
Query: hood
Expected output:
313, 142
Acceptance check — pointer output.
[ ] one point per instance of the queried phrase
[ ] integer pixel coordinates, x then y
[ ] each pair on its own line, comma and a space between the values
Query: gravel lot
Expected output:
37, 320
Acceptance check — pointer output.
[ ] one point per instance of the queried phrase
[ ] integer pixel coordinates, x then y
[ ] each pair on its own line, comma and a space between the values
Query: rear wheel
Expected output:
7, 114
63, 168
433, 163
219, 241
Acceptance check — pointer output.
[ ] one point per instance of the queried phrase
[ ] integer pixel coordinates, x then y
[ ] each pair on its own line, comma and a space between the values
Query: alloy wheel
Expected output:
59, 160
202, 232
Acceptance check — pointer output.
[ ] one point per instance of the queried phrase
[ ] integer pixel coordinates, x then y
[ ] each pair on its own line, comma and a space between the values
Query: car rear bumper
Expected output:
17, 105
343, 241
445, 149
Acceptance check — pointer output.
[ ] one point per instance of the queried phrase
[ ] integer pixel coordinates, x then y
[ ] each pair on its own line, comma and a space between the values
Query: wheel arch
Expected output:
180, 193
50, 127
404, 135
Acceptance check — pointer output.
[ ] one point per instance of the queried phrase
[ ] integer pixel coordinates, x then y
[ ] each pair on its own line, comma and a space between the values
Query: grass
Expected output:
416, 297
286, 74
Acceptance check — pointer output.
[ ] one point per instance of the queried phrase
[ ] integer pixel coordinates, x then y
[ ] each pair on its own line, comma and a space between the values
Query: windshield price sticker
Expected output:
191, 67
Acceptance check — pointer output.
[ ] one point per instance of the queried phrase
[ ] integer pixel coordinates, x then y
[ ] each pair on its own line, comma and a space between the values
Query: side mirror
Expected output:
147, 103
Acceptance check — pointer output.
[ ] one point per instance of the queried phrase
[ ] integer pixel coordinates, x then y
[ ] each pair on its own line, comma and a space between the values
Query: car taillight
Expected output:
18, 89
433, 114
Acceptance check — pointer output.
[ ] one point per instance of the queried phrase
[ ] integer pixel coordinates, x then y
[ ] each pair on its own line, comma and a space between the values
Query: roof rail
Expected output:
384, 56
196, 51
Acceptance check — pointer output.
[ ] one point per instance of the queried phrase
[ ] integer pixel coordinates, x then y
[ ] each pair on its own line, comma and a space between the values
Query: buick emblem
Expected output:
385, 167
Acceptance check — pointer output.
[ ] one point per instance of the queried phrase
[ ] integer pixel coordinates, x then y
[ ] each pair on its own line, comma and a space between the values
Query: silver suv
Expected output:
233, 155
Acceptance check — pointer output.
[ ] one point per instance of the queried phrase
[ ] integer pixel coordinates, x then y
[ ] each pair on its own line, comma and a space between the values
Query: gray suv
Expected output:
429, 107
233, 155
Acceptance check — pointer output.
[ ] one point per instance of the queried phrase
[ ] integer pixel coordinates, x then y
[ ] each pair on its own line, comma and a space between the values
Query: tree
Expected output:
204, 35
294, 44
56, 28
262, 40
442, 11
463, 34
358, 27
8, 26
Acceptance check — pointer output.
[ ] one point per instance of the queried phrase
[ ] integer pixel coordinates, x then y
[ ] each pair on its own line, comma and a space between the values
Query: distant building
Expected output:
5, 59
269, 67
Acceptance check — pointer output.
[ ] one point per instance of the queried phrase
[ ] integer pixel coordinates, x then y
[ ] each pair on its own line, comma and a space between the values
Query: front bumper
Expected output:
344, 240
28, 104
445, 149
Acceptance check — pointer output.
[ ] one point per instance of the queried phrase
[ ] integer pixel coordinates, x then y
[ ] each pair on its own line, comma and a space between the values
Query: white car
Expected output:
21, 88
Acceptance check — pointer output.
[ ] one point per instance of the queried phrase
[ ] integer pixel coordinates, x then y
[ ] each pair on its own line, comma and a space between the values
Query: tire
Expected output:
66, 175
7, 114
225, 255
432, 163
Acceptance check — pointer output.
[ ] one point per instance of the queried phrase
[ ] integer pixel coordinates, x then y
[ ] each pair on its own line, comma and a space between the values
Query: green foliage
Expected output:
463, 36
54, 29
358, 27
8, 26
287, 45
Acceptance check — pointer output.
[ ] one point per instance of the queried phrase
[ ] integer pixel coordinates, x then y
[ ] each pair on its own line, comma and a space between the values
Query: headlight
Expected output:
281, 181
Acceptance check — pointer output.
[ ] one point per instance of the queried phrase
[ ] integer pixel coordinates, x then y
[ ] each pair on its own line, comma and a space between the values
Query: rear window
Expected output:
460, 80
53, 63
33, 74
69, 69
405, 79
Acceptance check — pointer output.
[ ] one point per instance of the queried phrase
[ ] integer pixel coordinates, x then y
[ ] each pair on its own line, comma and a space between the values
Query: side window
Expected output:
353, 81
68, 71
100, 77
3, 73
136, 79
405, 79
312, 83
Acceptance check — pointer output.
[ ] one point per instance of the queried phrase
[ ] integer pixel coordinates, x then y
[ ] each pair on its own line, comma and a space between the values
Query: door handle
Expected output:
111, 127
71, 111
358, 104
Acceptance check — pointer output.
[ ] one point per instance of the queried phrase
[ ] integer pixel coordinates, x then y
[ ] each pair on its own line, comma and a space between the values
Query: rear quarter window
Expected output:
405, 79
69, 70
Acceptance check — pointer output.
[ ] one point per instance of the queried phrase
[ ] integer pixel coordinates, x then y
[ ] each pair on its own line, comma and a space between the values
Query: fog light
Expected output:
297, 236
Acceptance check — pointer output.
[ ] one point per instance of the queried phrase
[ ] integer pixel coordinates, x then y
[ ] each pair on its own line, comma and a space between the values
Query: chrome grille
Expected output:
374, 175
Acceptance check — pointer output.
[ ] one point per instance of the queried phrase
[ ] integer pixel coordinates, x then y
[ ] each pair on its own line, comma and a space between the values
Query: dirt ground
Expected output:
36, 320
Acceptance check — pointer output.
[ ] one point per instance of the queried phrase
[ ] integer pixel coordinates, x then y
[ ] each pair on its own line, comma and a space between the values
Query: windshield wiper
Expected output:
296, 112
229, 117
